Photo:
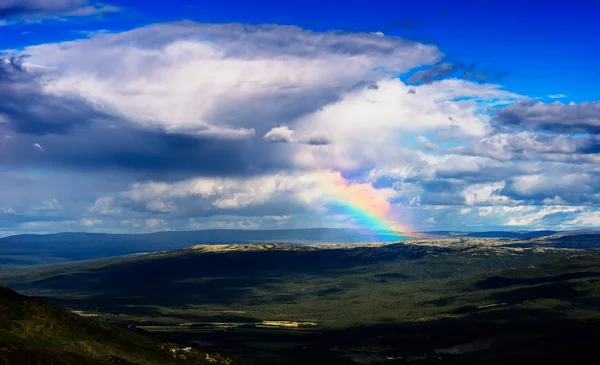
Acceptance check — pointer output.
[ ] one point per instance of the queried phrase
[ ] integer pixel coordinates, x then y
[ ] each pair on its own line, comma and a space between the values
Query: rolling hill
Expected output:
438, 301
24, 250
30, 249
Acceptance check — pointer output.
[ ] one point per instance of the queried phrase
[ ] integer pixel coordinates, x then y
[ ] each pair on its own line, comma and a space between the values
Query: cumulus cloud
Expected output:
280, 135
268, 195
584, 219
181, 75
526, 145
555, 117
27, 109
75, 132
186, 125
175, 90
368, 124
541, 217
105, 206
284, 134
575, 188
155, 223
90, 222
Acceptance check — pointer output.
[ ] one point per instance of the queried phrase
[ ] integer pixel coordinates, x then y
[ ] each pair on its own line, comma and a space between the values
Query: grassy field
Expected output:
338, 288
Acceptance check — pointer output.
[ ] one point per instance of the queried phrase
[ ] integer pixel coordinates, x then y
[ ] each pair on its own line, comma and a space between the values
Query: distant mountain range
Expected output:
30, 249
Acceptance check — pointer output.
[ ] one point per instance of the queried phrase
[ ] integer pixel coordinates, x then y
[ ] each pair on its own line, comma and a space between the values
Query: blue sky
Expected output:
473, 100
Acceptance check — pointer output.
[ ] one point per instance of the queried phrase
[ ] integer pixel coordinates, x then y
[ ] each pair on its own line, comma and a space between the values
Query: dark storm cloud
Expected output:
129, 147
30, 111
58, 130
572, 188
526, 145
555, 118
39, 129
317, 140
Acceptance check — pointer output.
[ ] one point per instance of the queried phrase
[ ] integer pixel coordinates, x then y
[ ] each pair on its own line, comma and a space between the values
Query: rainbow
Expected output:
368, 206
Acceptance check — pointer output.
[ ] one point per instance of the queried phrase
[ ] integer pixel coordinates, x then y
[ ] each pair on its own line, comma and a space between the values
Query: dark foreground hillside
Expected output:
32, 332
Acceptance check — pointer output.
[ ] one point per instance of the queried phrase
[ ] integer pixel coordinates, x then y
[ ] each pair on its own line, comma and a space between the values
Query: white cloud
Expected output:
94, 9
135, 223
280, 135
49, 205
585, 219
485, 211
550, 185
231, 193
284, 134
233, 222
38, 225
430, 220
428, 148
105, 206
534, 216
219, 80
90, 222
155, 223
484, 194
160, 206
369, 125
279, 195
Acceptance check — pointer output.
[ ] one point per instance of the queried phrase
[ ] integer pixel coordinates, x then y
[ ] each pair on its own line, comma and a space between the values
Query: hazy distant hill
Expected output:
33, 249
29, 249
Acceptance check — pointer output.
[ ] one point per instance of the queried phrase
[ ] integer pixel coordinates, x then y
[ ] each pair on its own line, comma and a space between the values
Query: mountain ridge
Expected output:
33, 249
